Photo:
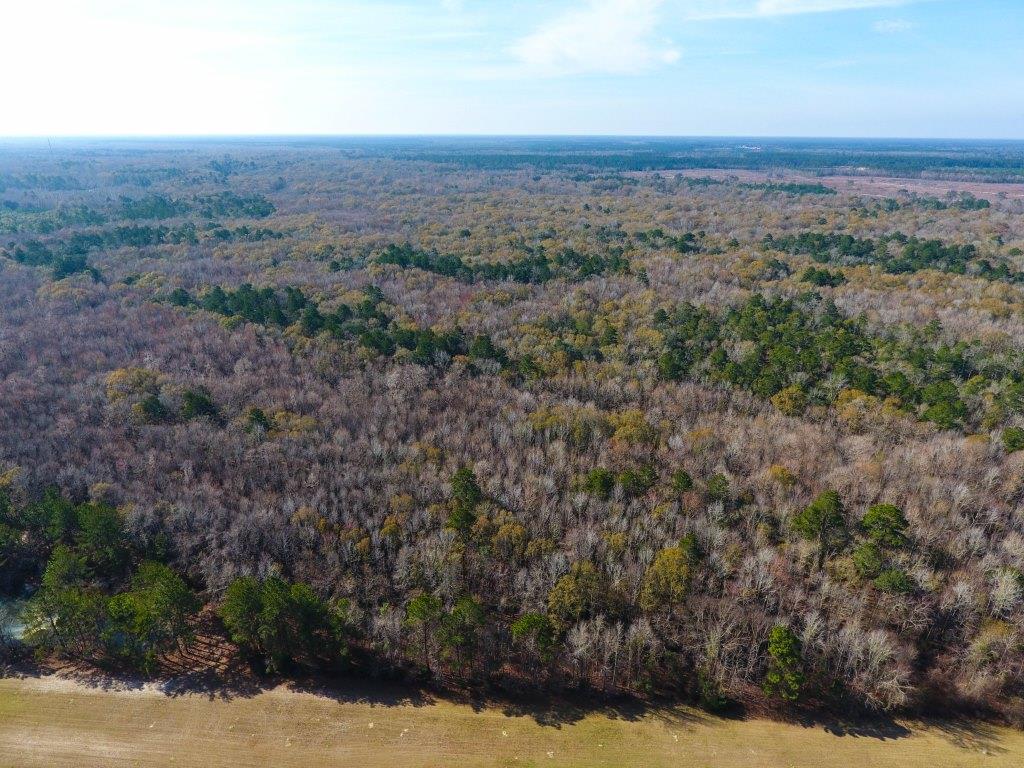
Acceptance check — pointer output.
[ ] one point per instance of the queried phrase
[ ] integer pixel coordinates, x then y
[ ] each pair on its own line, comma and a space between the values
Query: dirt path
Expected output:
55, 722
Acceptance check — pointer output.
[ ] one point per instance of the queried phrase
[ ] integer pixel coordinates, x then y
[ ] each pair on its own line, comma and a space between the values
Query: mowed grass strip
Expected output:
55, 722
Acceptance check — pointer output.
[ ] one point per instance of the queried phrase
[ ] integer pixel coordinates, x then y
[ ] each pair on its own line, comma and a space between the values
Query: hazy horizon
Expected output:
25, 138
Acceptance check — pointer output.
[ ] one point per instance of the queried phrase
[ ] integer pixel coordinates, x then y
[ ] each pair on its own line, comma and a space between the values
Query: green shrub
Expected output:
1013, 439
579, 594
895, 581
718, 488
681, 481
636, 482
886, 525
599, 482
868, 560
667, 579
822, 520
785, 676
537, 627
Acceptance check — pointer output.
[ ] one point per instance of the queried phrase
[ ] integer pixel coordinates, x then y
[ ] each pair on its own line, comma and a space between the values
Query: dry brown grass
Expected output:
52, 721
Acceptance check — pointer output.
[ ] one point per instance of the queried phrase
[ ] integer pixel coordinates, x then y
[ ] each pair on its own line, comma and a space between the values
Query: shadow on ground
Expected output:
973, 735
235, 682
876, 726
235, 679
969, 733
555, 712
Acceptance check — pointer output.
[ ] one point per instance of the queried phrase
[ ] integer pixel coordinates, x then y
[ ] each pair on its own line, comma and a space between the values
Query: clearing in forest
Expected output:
55, 722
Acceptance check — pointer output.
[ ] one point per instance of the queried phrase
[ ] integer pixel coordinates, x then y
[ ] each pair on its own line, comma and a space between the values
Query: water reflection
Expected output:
11, 626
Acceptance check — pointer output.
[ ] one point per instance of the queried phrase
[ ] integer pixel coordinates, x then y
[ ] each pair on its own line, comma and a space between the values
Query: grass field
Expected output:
52, 722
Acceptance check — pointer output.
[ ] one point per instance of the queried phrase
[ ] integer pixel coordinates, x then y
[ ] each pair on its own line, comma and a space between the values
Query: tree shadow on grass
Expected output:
81, 674
227, 682
362, 690
877, 726
973, 735
238, 681
567, 709
235, 679
224, 685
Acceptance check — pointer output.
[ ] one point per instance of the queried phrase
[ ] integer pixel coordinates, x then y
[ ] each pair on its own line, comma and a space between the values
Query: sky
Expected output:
885, 68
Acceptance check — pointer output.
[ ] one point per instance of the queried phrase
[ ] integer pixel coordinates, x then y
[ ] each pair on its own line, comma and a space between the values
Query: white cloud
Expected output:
606, 36
621, 36
893, 26
792, 7
706, 10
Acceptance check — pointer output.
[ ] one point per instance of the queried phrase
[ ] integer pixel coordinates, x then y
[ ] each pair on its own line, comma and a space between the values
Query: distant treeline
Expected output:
962, 202
795, 352
792, 188
63, 262
998, 161
16, 218
219, 205
69, 256
895, 253
50, 182
536, 267
370, 322
789, 188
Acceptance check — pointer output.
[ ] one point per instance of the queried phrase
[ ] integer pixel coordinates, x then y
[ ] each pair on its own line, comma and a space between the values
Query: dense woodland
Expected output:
505, 422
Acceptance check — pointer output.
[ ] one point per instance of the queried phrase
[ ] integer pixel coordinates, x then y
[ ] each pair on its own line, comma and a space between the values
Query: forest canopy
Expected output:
685, 419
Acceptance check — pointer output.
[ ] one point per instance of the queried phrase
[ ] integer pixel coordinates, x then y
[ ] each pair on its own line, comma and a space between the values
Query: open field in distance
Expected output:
870, 186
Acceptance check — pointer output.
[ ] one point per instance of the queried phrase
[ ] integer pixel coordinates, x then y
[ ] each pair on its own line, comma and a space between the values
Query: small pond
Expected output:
10, 618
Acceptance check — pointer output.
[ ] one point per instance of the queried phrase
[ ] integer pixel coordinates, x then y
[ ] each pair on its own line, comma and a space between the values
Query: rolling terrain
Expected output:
532, 415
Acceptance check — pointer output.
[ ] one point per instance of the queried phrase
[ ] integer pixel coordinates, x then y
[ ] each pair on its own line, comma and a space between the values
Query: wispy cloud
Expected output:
708, 10
792, 7
605, 36
893, 26
621, 36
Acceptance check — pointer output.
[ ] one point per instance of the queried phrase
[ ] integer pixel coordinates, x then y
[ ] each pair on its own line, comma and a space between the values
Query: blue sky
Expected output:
928, 68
